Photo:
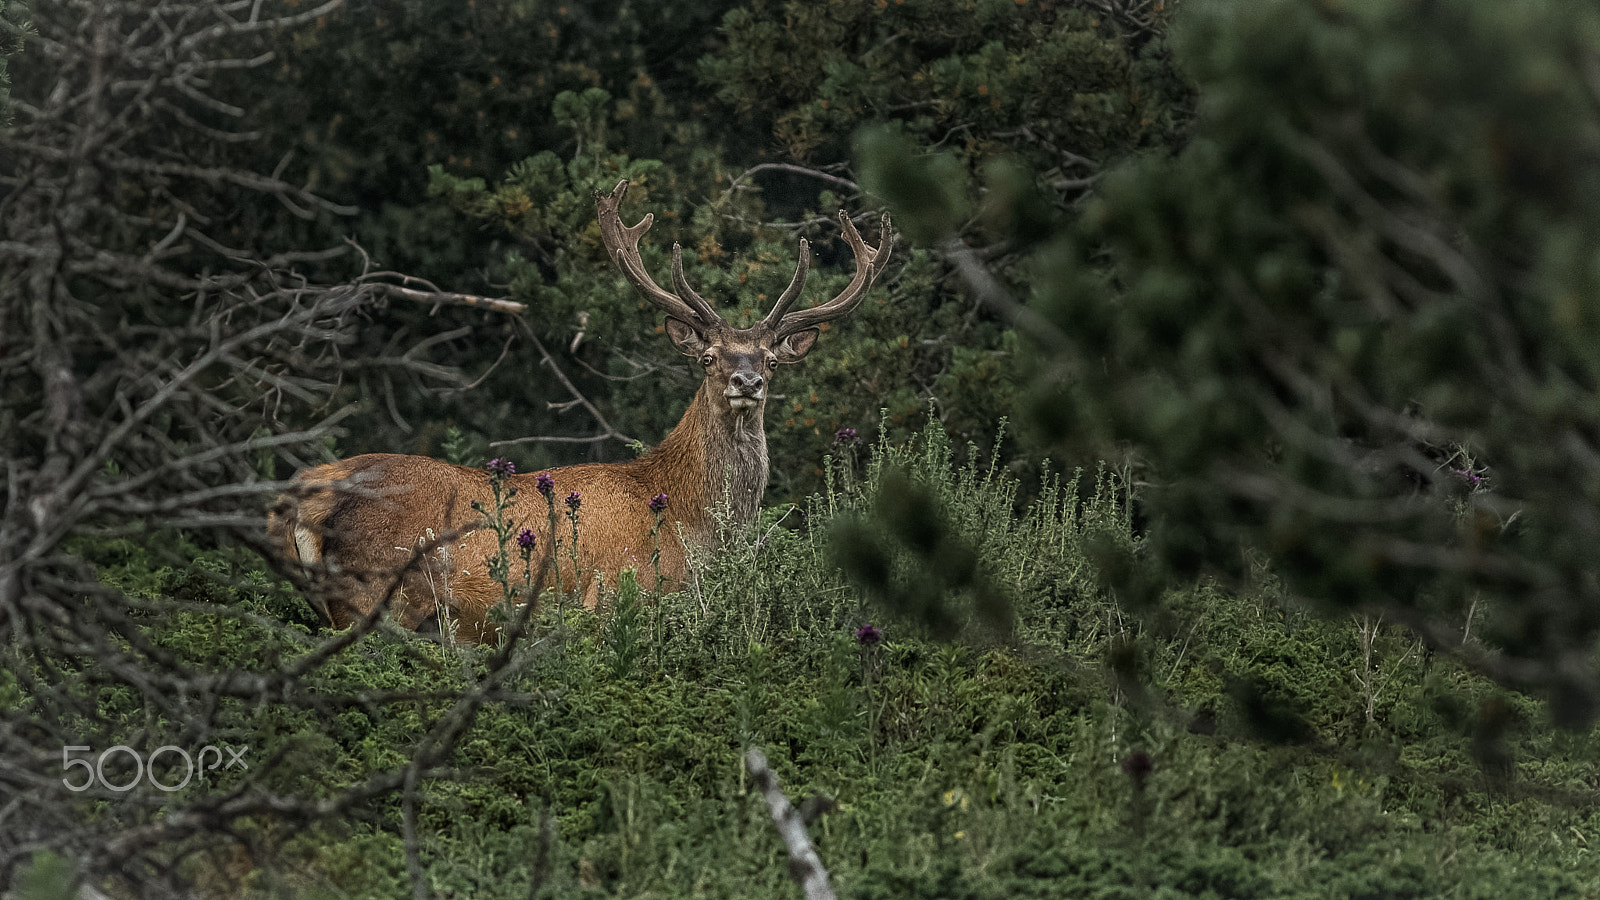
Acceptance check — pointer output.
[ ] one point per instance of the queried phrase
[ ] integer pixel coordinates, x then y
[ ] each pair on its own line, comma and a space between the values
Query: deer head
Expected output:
739, 361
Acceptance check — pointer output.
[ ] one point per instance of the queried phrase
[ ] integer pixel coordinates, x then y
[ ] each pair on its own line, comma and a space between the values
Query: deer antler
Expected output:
869, 265
622, 243
792, 292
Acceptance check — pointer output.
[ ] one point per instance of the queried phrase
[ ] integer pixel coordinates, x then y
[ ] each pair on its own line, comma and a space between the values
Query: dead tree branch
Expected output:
805, 867
448, 298
159, 368
608, 433
793, 169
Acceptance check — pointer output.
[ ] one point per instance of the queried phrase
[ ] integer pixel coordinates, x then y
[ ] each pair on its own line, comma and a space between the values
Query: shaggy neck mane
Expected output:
715, 453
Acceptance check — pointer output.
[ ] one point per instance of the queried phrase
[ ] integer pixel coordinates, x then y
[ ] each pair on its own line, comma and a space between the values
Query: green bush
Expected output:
1003, 762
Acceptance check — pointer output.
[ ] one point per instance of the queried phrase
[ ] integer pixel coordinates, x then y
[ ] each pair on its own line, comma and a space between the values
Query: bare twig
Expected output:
541, 854
792, 169
447, 298
805, 867
505, 350
609, 433
156, 376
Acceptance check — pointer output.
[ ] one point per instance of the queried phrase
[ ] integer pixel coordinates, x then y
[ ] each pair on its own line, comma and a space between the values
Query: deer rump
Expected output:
357, 524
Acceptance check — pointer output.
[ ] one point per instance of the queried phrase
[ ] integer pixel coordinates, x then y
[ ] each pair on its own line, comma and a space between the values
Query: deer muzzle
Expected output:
745, 390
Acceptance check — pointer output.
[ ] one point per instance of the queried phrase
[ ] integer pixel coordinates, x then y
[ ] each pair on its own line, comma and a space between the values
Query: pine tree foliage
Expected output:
13, 30
1353, 325
376, 92
922, 337
1063, 85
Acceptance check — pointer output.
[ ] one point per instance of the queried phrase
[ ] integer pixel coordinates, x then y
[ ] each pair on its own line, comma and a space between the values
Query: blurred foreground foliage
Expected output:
1354, 327
1349, 330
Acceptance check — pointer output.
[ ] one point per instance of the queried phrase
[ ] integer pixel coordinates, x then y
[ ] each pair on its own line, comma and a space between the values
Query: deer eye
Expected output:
772, 363
707, 360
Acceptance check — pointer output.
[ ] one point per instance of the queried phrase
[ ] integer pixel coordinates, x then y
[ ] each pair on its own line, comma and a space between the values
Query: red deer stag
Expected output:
361, 518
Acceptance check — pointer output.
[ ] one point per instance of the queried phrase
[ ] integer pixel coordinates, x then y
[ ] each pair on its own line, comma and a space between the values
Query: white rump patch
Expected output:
305, 544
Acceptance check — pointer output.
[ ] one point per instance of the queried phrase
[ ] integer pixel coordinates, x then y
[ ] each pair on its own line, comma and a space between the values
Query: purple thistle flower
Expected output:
1471, 478
544, 483
658, 503
845, 437
501, 468
526, 539
574, 500
869, 635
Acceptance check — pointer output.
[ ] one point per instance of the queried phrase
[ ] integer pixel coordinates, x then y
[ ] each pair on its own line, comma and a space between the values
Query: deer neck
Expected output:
715, 454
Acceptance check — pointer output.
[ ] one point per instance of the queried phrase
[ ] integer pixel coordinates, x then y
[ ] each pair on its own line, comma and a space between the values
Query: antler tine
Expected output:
870, 264
689, 294
622, 244
792, 292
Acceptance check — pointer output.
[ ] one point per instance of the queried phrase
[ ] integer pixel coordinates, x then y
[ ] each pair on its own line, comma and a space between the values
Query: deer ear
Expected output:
795, 346
685, 338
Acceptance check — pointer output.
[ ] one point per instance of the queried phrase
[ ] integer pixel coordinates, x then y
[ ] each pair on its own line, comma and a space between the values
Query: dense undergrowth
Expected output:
1235, 748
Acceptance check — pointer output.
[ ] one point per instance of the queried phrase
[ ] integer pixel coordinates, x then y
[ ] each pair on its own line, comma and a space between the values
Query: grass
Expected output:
1218, 745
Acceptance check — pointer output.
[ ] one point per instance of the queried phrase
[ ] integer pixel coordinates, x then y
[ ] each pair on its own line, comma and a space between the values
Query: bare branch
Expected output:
446, 298
251, 180
792, 169
609, 432
805, 867
149, 393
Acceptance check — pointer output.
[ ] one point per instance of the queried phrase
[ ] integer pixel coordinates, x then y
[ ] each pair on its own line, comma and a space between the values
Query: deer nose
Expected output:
746, 382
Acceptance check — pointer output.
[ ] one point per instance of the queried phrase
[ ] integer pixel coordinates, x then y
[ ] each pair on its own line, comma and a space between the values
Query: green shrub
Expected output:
1087, 749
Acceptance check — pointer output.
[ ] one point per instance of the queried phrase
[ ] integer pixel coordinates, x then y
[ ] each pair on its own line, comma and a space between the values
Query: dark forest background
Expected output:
467, 142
